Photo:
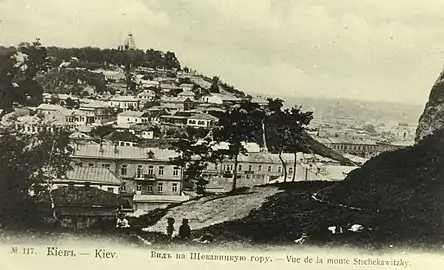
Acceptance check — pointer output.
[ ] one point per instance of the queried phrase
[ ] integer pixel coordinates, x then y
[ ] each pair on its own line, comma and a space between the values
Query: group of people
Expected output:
184, 229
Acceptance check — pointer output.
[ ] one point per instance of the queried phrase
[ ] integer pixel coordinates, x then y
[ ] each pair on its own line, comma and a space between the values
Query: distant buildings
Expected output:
359, 146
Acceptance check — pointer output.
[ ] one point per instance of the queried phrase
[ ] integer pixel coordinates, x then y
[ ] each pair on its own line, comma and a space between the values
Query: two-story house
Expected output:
146, 172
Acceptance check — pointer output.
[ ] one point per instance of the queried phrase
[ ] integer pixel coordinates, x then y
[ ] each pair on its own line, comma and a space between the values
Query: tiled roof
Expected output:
96, 175
123, 152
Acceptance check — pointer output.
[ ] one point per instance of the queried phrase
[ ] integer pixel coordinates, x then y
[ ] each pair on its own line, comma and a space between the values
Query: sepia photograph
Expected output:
213, 132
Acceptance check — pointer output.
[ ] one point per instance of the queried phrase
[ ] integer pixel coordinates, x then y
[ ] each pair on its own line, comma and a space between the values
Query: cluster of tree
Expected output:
237, 126
18, 68
26, 164
73, 81
103, 57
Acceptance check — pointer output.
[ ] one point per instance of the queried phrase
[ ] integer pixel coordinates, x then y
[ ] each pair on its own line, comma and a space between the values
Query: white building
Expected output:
202, 120
125, 119
186, 94
125, 102
146, 96
143, 131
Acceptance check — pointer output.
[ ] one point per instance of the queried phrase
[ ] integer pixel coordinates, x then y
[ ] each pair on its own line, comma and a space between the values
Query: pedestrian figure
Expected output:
184, 230
170, 227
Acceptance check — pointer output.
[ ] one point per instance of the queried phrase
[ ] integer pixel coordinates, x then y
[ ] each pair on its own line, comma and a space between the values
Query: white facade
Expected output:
124, 102
125, 119
213, 99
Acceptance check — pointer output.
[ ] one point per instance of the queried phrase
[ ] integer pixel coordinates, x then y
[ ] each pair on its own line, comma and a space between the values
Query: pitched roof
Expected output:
96, 175
124, 152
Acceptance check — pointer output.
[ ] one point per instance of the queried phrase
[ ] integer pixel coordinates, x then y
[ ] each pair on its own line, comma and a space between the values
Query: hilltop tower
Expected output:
129, 43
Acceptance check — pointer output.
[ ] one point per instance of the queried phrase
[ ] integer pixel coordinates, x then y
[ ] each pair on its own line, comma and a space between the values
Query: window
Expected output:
259, 168
124, 170
149, 188
290, 170
105, 165
161, 170
139, 187
250, 168
150, 170
269, 168
174, 187
240, 168
110, 189
192, 122
176, 171
139, 171
231, 167
215, 166
279, 169
159, 187
247, 176
201, 123
91, 165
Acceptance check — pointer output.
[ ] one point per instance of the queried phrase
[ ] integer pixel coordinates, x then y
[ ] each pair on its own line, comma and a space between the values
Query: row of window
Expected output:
354, 147
140, 170
76, 119
149, 188
142, 120
199, 122
253, 176
229, 167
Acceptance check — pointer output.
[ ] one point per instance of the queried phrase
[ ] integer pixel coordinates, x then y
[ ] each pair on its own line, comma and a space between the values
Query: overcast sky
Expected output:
363, 49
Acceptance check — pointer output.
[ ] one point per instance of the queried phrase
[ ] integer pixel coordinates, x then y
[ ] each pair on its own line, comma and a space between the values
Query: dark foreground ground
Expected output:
278, 222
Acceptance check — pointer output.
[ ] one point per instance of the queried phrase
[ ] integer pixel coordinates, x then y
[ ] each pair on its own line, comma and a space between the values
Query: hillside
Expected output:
270, 214
403, 189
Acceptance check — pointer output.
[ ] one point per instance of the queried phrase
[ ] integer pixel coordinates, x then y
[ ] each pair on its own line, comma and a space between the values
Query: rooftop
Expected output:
96, 175
133, 114
124, 99
203, 116
123, 152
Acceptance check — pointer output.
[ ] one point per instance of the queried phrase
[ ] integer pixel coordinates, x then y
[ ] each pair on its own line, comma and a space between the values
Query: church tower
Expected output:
129, 43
